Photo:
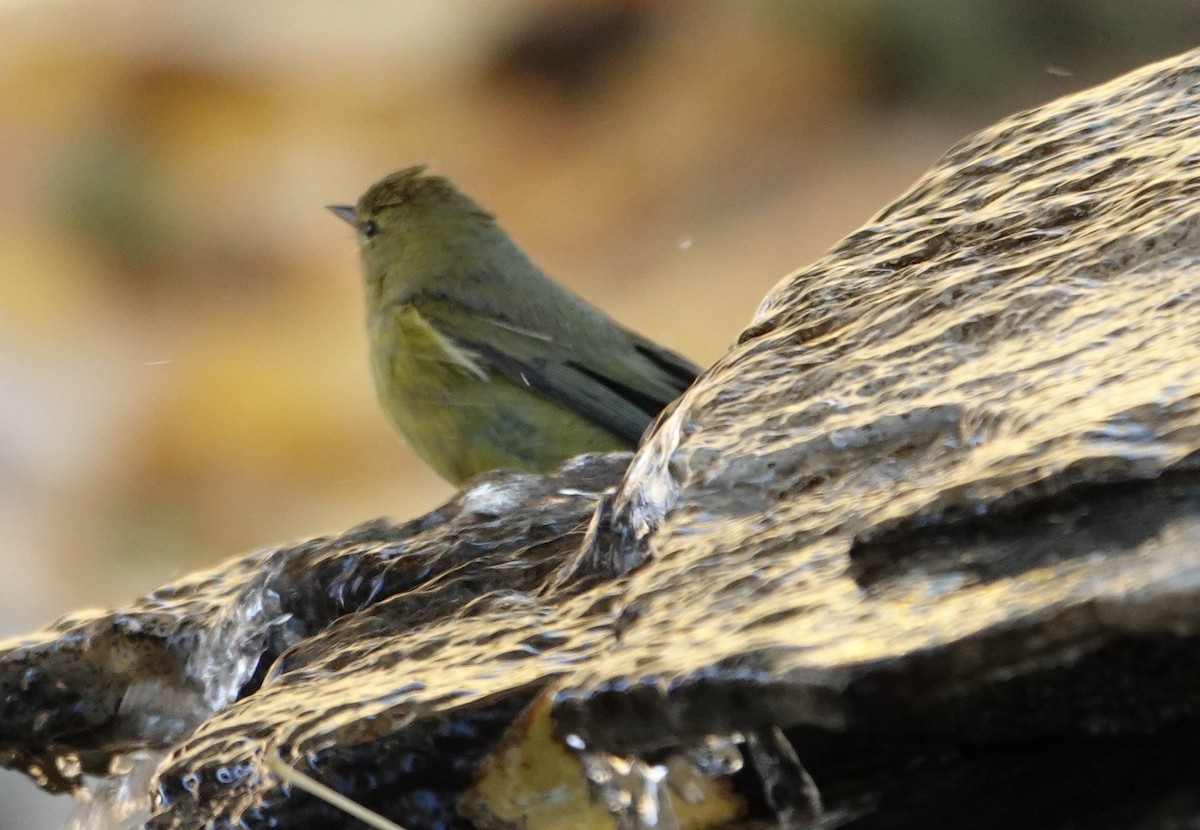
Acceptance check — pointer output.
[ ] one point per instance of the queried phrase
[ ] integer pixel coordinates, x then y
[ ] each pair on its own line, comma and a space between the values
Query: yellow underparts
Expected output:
460, 416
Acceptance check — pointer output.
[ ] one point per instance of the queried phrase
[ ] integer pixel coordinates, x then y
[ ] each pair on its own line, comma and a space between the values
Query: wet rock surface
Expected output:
935, 516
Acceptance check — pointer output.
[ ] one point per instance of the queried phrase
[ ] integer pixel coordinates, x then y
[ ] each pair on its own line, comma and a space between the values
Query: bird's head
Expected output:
412, 226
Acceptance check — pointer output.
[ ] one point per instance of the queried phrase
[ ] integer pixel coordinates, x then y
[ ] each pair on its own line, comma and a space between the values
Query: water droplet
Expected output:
190, 782
633, 791
69, 765
120, 800
717, 756
788, 788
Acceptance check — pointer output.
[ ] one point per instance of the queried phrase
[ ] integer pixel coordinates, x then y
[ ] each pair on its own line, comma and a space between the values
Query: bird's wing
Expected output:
621, 390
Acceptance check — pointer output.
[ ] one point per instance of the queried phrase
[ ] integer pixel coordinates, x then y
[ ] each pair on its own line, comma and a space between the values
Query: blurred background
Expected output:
183, 369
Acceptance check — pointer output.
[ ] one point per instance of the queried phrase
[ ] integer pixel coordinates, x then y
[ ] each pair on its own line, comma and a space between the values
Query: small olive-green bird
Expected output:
479, 359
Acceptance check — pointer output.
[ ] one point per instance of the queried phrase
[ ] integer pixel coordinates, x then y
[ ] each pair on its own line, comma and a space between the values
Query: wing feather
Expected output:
622, 389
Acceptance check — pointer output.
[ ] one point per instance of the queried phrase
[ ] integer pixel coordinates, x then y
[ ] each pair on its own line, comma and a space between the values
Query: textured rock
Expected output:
936, 515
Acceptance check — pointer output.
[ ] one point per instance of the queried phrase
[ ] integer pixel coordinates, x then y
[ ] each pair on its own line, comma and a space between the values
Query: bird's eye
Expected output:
369, 228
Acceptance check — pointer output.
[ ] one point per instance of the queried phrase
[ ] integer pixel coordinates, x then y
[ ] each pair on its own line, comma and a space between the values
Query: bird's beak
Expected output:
345, 213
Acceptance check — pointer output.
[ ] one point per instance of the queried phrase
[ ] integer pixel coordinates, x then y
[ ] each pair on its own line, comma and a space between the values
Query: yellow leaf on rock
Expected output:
531, 781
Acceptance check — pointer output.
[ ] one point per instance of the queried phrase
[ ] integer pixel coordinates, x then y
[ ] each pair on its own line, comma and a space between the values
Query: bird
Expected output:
480, 360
